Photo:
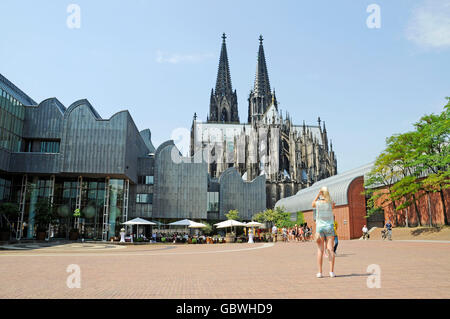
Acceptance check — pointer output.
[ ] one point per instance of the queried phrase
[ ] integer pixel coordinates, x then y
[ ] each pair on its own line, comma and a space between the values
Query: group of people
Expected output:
297, 233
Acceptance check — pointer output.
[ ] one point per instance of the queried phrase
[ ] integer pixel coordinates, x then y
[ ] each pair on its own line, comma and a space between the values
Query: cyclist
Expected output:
365, 231
388, 227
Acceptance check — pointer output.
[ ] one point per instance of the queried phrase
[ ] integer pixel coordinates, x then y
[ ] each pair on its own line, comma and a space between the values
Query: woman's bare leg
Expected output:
320, 248
330, 247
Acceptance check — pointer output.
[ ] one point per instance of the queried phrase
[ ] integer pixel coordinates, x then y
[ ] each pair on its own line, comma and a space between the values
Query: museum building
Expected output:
106, 168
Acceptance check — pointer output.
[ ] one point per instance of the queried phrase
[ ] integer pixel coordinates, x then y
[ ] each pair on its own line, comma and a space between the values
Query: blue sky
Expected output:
159, 59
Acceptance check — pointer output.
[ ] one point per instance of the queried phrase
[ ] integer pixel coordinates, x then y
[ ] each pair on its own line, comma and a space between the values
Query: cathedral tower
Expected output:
261, 96
223, 107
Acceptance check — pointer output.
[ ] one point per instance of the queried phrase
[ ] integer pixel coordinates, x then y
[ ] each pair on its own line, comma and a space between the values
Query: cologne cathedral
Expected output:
291, 156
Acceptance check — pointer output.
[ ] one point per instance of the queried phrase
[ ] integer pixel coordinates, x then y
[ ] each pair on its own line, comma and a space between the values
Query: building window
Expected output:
5, 189
41, 146
146, 180
144, 198
12, 114
213, 201
49, 147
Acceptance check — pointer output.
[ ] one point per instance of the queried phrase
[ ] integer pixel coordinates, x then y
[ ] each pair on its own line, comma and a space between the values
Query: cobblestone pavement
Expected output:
281, 270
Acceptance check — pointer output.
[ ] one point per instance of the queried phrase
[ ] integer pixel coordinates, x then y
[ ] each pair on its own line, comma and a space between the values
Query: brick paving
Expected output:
282, 270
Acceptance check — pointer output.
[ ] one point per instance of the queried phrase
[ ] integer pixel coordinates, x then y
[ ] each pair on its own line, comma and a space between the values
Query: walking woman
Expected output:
324, 229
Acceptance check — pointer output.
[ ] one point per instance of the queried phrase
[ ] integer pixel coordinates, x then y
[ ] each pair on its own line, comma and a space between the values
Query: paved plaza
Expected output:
263, 270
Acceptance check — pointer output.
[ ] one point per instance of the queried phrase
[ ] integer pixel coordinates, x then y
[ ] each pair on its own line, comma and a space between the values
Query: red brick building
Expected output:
429, 208
346, 190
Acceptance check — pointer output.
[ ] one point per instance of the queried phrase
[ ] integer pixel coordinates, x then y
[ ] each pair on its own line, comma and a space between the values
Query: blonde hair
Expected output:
326, 194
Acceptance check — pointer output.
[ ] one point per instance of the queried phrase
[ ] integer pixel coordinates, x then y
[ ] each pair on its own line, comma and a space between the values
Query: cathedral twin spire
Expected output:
223, 104
262, 83
223, 83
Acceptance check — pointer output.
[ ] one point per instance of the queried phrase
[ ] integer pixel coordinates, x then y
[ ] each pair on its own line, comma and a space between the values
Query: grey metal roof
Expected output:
16, 92
337, 186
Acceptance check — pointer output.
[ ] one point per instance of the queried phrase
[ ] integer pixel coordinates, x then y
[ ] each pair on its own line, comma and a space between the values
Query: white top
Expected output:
364, 229
274, 229
324, 214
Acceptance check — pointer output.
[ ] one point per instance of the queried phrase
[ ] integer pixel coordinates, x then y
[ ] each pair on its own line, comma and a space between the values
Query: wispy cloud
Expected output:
175, 58
429, 25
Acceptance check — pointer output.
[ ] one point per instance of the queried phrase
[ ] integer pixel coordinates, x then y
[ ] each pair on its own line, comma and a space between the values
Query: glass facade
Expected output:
41, 146
5, 189
116, 188
12, 115
213, 201
65, 196
146, 180
49, 147
144, 198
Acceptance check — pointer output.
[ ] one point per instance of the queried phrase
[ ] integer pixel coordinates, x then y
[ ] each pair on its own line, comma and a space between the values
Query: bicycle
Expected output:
386, 234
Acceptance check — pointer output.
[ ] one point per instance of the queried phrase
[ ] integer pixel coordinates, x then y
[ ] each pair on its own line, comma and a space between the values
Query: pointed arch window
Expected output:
224, 116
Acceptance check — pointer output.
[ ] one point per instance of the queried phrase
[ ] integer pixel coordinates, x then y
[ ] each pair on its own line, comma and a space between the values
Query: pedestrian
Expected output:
336, 241
274, 233
324, 229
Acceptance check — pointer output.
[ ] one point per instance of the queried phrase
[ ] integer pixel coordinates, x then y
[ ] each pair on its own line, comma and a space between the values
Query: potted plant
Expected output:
44, 216
10, 212
73, 234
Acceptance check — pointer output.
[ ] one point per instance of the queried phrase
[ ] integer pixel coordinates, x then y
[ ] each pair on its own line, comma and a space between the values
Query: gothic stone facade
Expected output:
291, 156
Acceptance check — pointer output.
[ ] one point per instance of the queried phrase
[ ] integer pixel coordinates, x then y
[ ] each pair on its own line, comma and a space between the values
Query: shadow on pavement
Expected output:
425, 230
353, 275
343, 255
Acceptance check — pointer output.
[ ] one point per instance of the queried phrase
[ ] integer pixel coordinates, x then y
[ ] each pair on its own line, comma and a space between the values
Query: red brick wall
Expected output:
437, 211
357, 207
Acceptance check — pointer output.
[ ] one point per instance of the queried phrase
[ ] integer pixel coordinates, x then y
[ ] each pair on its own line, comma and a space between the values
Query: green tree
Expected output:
300, 218
378, 185
412, 162
433, 153
402, 151
11, 212
259, 217
282, 218
208, 230
232, 214
277, 216
44, 214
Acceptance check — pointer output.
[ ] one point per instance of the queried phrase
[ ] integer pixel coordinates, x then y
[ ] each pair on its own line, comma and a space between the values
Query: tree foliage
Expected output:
414, 161
11, 212
278, 217
232, 214
44, 214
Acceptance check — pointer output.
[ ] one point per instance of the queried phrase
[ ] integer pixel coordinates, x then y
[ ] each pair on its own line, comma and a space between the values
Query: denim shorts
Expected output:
326, 231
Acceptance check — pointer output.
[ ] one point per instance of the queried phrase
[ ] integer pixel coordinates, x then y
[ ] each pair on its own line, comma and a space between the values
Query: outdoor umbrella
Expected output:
197, 225
253, 224
137, 222
184, 222
229, 223
187, 223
